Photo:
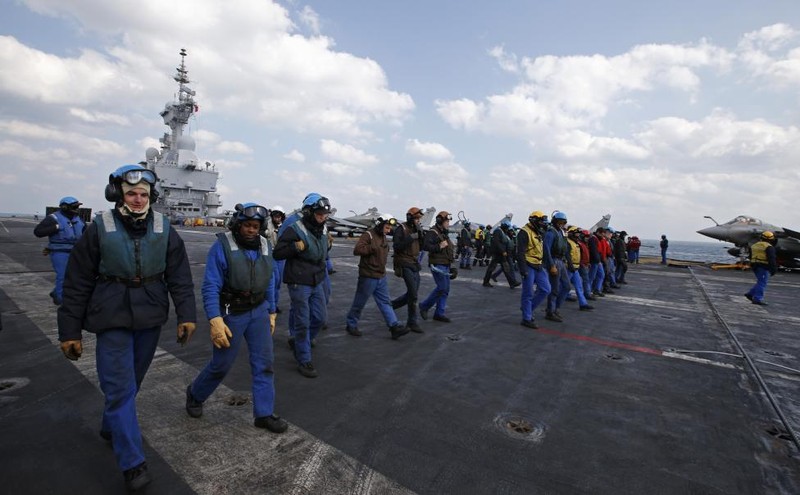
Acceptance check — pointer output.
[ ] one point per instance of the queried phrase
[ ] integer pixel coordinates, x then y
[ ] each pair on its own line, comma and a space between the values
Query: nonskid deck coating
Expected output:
612, 402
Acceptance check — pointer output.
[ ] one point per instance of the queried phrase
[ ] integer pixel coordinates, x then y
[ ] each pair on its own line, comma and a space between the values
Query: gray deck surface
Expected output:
611, 406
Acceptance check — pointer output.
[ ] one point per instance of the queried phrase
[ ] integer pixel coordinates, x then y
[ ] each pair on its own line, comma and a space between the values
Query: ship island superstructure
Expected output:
187, 188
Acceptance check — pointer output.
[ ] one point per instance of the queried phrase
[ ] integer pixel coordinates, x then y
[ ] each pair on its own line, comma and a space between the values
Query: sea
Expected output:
708, 252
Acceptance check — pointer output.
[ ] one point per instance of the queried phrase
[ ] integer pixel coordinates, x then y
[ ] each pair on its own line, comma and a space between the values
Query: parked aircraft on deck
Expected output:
743, 231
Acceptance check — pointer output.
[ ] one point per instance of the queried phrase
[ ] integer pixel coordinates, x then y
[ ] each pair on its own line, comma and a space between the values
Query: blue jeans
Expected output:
379, 290
438, 296
59, 260
762, 277
596, 276
559, 286
123, 358
410, 298
465, 257
587, 286
663, 256
577, 282
251, 326
308, 314
529, 300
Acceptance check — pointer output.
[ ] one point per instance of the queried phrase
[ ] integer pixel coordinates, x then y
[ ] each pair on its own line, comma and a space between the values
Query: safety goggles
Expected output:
391, 221
134, 177
253, 212
448, 218
321, 204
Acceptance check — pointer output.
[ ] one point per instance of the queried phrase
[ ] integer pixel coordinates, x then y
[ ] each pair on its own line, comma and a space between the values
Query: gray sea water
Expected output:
711, 252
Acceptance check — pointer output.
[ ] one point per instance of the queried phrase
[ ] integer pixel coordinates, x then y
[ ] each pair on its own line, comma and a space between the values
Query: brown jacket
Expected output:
374, 251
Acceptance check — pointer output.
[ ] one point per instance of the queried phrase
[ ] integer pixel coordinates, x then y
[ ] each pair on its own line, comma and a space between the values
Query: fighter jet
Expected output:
356, 224
602, 223
743, 231
456, 227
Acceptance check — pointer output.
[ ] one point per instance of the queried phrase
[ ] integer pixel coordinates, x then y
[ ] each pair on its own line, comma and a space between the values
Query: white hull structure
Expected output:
187, 188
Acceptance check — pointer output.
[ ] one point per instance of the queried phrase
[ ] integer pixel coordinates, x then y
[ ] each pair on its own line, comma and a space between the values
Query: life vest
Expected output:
316, 247
479, 234
575, 253
128, 259
758, 252
445, 256
246, 280
69, 231
559, 247
534, 252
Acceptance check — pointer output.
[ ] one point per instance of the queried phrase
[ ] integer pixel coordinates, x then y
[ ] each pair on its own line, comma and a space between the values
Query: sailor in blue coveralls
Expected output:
238, 297
304, 245
119, 279
64, 227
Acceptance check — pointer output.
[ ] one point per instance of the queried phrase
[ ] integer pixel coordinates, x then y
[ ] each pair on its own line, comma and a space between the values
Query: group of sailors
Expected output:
118, 273
551, 256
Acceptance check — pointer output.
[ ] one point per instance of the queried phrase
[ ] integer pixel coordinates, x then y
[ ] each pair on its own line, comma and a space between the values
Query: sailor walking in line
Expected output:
373, 248
120, 276
533, 261
64, 227
407, 243
238, 296
441, 254
304, 245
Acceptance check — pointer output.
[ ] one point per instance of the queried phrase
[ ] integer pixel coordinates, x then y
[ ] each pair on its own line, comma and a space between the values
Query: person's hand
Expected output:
185, 332
220, 333
415, 235
553, 270
72, 349
273, 320
300, 246
443, 244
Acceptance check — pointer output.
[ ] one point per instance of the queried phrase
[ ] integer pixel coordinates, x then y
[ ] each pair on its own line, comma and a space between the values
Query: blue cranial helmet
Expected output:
247, 211
132, 174
68, 200
559, 215
314, 202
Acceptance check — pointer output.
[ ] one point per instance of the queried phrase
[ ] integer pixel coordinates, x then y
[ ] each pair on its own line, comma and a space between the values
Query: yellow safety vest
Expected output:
758, 252
575, 253
534, 252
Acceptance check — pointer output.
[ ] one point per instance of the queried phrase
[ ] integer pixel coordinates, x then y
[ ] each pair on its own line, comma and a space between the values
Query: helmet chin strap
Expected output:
126, 210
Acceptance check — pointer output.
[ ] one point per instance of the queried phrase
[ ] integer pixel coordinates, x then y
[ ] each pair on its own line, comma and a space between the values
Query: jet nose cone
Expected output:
715, 232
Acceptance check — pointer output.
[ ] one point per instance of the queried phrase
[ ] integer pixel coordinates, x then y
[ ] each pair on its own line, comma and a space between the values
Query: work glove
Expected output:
300, 246
273, 319
553, 271
185, 332
220, 333
72, 349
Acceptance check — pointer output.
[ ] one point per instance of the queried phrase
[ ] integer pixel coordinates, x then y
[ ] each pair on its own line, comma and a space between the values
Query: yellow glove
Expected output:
185, 332
553, 270
220, 333
300, 246
72, 349
273, 319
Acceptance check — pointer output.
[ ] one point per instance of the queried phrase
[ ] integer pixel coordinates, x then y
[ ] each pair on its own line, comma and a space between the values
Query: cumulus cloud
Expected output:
432, 151
74, 140
340, 169
346, 153
99, 117
295, 156
234, 147
278, 76
761, 53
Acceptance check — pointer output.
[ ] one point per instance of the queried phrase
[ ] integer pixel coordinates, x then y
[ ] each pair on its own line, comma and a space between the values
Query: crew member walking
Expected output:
407, 242
119, 278
440, 256
532, 259
763, 262
238, 296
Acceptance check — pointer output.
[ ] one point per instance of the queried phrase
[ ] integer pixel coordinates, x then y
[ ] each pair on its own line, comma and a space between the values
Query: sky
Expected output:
656, 112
